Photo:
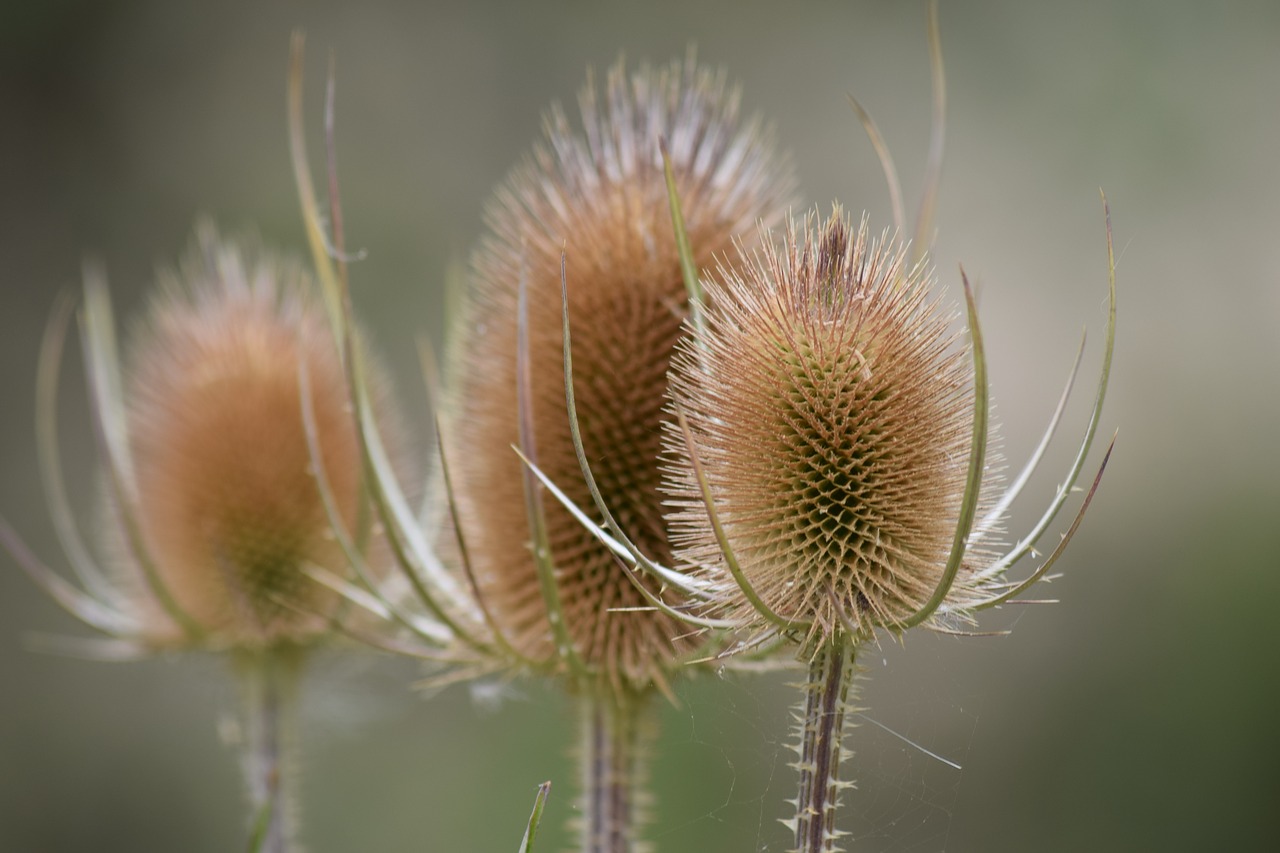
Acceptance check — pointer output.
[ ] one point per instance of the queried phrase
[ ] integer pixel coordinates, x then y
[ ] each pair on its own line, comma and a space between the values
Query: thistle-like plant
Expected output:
831, 481
518, 582
212, 507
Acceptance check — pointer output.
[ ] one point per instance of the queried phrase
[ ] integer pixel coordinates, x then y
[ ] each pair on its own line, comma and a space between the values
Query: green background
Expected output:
1140, 713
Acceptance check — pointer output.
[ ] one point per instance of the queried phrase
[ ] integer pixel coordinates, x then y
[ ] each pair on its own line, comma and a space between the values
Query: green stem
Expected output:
268, 682
616, 731
821, 732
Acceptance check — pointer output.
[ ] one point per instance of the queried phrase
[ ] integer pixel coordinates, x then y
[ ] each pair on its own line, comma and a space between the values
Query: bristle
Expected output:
600, 198
228, 508
830, 405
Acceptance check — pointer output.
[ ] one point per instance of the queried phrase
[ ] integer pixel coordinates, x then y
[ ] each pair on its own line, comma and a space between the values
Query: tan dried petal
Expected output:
603, 199
831, 407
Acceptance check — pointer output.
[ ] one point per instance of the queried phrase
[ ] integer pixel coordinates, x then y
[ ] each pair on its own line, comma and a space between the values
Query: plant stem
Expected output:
616, 730
268, 682
821, 732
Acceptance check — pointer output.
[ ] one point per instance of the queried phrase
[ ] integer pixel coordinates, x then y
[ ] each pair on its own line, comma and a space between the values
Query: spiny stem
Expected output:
821, 731
616, 731
268, 681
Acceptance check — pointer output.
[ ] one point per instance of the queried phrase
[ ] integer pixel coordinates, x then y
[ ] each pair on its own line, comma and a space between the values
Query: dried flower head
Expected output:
228, 507
830, 464
214, 516
601, 199
830, 406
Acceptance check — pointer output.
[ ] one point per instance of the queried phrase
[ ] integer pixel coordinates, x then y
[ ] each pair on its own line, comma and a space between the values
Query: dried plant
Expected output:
831, 465
600, 203
214, 515
771, 442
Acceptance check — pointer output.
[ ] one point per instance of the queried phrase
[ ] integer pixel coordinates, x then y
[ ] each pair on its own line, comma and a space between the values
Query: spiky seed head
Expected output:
600, 196
227, 505
830, 404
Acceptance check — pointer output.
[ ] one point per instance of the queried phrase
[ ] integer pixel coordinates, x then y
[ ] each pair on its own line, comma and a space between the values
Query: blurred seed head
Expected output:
830, 403
600, 196
227, 505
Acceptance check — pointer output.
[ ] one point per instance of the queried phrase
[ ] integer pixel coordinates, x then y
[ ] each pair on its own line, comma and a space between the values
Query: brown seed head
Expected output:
831, 409
228, 508
603, 200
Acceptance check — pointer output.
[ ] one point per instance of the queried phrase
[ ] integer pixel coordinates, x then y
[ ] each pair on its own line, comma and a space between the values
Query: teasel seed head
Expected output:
600, 198
227, 504
214, 532
829, 403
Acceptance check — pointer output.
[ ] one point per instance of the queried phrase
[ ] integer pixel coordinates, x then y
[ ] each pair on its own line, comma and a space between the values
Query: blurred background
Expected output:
1139, 713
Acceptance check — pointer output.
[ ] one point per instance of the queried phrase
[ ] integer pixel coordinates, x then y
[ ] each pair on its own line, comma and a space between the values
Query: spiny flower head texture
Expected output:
830, 404
600, 197
228, 508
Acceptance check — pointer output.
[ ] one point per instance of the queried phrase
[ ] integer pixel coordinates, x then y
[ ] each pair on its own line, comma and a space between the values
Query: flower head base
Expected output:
602, 201
214, 516
830, 405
